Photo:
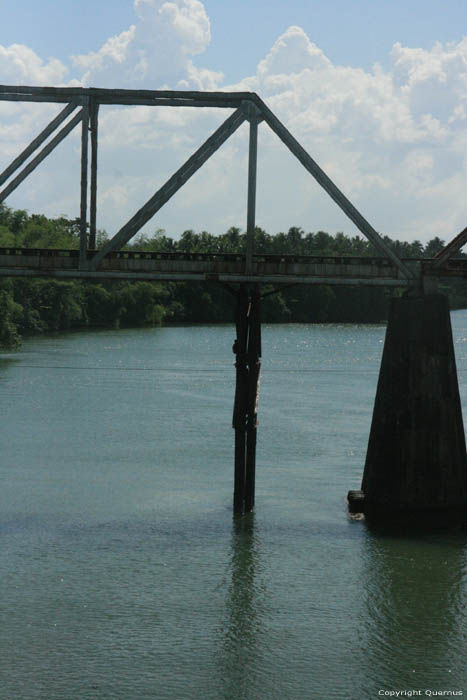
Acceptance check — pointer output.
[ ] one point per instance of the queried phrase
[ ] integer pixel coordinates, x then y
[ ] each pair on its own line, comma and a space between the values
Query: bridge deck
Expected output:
200, 267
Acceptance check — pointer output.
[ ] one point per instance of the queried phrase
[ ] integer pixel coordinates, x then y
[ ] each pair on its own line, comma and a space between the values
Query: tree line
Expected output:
37, 305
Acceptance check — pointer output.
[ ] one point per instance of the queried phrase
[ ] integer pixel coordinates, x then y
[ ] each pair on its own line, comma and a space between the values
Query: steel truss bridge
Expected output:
81, 109
247, 271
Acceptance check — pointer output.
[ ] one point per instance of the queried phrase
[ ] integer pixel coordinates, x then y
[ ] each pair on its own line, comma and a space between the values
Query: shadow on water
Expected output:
7, 358
413, 627
242, 636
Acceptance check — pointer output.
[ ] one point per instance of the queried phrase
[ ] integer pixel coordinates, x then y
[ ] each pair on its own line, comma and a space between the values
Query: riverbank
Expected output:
29, 307
32, 306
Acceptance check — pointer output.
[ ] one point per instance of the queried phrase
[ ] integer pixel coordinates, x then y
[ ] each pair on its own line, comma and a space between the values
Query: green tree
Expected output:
10, 315
434, 247
140, 304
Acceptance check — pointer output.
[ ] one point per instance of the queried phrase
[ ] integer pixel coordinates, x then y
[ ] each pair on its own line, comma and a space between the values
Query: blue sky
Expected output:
375, 90
351, 32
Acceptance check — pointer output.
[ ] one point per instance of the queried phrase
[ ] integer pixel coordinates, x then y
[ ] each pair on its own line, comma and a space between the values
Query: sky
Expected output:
374, 90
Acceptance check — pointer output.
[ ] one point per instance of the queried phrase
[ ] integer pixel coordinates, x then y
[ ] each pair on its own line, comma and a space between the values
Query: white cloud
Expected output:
114, 52
187, 20
293, 52
395, 141
155, 51
434, 82
19, 63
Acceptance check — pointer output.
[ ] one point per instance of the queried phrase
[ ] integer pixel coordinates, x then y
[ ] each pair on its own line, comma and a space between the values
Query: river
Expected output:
123, 573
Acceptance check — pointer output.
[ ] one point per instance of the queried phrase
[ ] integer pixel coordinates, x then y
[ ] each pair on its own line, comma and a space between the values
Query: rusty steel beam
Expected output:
450, 249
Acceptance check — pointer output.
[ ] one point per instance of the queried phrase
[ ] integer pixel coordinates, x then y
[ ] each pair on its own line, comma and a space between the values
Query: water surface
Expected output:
123, 573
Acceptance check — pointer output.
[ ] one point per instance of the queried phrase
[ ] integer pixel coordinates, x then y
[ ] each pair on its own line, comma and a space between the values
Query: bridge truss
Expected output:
81, 109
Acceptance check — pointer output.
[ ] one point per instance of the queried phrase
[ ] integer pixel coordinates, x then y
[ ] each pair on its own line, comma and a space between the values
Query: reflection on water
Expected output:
243, 635
413, 631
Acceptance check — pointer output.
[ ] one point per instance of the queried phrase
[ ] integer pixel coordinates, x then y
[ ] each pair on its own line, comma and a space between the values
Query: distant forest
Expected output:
30, 306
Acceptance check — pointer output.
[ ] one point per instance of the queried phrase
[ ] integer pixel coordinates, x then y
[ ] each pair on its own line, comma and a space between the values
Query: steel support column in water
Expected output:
247, 349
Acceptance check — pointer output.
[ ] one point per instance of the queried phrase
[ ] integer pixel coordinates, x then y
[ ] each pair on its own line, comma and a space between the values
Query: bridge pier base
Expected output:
416, 460
247, 348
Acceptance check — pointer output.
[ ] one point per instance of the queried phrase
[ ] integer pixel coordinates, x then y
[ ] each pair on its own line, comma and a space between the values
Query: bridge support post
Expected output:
416, 460
247, 348
83, 235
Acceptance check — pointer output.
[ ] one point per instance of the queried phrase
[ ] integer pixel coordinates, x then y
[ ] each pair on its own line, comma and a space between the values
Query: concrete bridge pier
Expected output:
416, 460
247, 349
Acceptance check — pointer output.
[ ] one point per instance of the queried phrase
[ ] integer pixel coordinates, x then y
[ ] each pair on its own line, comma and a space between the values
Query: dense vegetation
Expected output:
38, 305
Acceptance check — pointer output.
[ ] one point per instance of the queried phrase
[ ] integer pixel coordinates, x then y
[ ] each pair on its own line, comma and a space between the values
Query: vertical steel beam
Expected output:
83, 245
94, 111
247, 348
251, 211
254, 373
239, 420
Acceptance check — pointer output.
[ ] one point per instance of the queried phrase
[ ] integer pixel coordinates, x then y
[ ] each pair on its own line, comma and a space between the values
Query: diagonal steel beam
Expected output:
41, 155
172, 185
450, 249
45, 133
327, 184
